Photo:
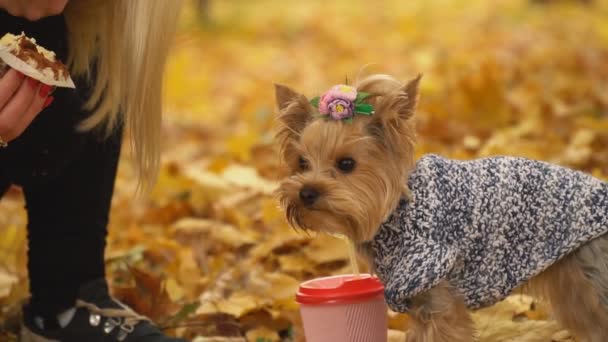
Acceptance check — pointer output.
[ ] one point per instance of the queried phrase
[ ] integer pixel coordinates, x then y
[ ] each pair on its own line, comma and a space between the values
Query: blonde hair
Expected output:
126, 43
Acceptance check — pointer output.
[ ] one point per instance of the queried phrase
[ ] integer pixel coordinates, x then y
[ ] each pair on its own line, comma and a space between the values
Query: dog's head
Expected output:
346, 177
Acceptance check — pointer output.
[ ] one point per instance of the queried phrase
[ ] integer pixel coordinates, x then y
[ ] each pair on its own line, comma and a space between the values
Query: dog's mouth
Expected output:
317, 219
295, 216
334, 214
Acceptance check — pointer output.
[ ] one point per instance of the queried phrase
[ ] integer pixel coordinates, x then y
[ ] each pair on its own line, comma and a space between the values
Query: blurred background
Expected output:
210, 257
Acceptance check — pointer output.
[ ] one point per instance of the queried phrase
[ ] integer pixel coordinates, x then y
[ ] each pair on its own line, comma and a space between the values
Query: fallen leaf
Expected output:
263, 334
7, 281
219, 339
218, 232
148, 296
236, 305
174, 290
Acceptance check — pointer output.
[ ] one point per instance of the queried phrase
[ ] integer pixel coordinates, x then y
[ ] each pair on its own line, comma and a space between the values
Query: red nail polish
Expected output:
32, 82
48, 101
44, 90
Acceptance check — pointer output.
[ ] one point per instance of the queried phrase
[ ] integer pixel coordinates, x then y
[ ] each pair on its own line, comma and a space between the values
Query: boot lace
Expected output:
125, 319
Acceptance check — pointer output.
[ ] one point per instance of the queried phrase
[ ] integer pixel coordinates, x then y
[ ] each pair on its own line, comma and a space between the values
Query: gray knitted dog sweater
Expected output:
486, 226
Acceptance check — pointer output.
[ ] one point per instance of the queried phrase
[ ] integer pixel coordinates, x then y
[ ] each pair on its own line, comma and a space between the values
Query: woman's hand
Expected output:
21, 100
33, 9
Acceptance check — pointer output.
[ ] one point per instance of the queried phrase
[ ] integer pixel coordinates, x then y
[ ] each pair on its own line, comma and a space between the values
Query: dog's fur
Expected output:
356, 203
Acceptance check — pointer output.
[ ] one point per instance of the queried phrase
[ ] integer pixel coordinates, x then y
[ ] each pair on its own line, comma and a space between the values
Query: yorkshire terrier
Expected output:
444, 236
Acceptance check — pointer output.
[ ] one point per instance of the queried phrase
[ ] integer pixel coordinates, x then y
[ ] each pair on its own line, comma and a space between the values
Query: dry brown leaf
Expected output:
295, 263
219, 339
263, 333
148, 297
277, 243
237, 305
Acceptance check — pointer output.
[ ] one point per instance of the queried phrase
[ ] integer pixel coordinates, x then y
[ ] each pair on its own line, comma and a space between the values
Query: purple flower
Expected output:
341, 109
338, 102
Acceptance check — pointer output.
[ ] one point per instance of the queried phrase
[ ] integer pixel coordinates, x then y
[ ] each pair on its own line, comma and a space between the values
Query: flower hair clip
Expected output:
342, 102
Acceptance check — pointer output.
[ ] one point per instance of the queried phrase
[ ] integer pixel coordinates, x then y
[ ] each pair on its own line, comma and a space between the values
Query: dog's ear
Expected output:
284, 96
295, 111
391, 122
399, 105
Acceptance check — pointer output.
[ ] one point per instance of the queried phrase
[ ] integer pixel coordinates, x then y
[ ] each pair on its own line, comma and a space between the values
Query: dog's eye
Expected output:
302, 163
346, 165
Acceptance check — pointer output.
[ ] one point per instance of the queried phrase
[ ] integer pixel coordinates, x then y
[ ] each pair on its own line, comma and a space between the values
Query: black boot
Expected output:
98, 318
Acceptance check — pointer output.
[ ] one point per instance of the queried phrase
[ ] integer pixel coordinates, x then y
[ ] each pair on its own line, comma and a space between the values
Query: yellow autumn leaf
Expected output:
174, 290
294, 263
326, 248
214, 230
248, 178
240, 145
7, 281
237, 305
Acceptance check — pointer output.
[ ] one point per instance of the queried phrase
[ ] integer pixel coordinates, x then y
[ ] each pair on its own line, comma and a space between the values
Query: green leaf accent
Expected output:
364, 108
361, 96
315, 101
349, 120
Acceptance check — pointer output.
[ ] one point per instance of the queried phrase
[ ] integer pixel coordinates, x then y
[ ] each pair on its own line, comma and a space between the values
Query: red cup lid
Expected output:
339, 289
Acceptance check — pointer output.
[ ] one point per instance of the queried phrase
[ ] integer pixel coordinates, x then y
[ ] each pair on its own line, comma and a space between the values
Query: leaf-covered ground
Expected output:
210, 257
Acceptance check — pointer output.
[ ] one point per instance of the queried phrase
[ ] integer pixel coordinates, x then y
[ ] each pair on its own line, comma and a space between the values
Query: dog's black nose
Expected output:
309, 195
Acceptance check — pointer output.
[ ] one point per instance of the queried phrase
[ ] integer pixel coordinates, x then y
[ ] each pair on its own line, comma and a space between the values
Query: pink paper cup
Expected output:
343, 308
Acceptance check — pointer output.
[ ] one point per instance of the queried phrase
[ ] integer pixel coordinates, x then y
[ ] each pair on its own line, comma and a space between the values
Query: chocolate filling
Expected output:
28, 51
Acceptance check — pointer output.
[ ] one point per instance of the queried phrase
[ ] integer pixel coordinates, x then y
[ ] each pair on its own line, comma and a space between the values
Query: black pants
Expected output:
67, 178
67, 225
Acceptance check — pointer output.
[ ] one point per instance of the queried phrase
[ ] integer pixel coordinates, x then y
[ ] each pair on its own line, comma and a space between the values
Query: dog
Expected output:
444, 236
